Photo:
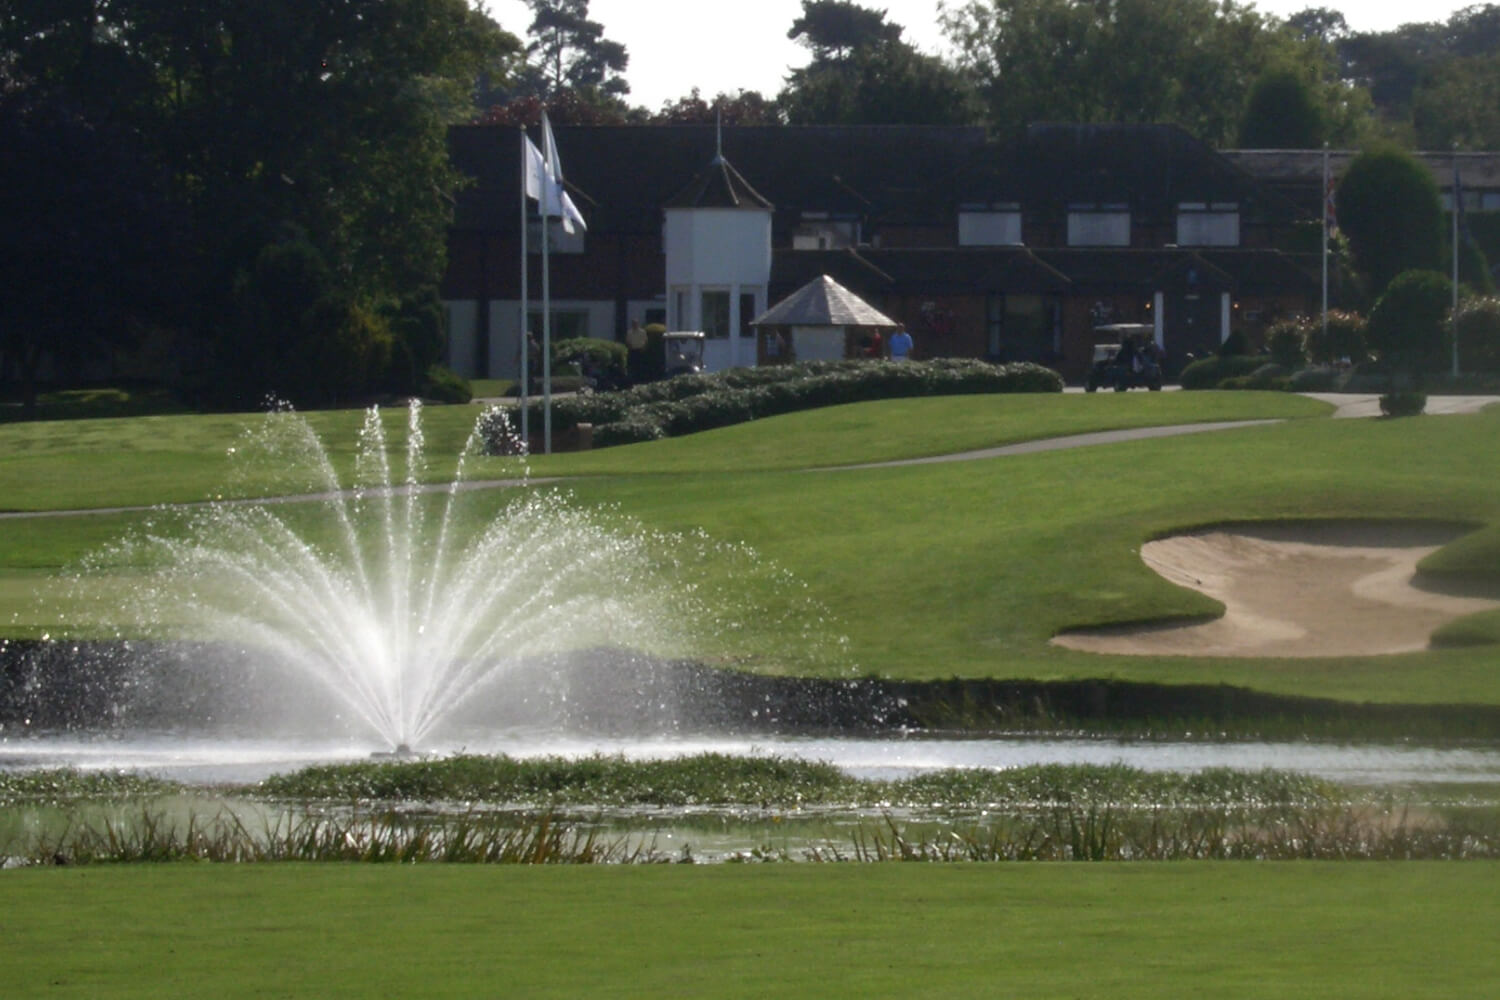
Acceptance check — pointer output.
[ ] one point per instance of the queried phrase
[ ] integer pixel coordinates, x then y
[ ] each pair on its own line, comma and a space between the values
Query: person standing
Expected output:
901, 345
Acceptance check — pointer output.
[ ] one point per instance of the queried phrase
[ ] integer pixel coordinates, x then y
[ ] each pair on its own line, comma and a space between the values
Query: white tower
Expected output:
718, 247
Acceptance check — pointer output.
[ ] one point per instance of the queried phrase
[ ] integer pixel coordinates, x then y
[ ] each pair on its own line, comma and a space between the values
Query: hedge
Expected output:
690, 403
1207, 373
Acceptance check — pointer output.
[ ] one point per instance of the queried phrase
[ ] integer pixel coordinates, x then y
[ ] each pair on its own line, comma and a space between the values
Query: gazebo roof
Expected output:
823, 302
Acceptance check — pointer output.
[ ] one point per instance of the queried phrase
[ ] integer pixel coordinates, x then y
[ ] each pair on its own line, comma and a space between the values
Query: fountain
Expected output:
396, 610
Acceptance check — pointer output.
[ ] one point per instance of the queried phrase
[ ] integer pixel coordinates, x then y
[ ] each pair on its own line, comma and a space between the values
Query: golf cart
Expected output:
1127, 360
683, 350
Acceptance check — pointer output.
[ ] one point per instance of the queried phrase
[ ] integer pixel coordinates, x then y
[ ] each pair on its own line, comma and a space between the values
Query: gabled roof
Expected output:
823, 302
719, 186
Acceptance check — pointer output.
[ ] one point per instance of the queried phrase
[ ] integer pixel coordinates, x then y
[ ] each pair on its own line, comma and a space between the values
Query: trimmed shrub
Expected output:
1267, 376
606, 356
1207, 373
689, 403
1234, 345
1405, 403
446, 386
1478, 327
1408, 325
1317, 379
1345, 339
1284, 341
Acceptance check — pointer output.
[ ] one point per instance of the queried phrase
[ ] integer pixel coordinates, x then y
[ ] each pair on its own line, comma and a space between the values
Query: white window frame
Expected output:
1099, 226
1208, 224
989, 227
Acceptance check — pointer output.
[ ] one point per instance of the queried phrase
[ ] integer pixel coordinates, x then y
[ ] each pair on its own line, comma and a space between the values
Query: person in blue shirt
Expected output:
900, 345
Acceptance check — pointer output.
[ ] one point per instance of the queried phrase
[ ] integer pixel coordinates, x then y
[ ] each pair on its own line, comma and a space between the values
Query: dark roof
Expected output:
622, 176
1150, 169
719, 186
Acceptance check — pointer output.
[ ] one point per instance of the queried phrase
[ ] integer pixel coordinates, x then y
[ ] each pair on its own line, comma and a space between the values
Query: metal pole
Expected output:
525, 290
1458, 207
546, 334
1325, 245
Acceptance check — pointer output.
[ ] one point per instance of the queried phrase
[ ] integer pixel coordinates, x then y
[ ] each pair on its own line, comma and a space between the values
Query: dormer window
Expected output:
995, 225
820, 231
1208, 224
1098, 225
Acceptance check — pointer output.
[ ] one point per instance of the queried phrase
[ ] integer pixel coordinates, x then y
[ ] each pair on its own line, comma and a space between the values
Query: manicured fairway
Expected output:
1121, 931
961, 569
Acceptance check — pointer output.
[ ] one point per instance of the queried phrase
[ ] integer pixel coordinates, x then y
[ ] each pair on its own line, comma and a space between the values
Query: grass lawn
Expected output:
958, 569
1239, 929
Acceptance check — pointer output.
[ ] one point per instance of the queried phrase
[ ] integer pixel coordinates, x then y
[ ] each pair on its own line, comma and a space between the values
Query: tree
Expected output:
571, 52
1282, 113
1389, 210
564, 107
747, 107
325, 115
1185, 61
1477, 323
863, 74
1459, 105
86, 251
1408, 325
889, 83
1320, 24
836, 29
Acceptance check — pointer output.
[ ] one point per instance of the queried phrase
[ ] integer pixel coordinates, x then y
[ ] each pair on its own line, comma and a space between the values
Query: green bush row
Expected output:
1207, 373
690, 403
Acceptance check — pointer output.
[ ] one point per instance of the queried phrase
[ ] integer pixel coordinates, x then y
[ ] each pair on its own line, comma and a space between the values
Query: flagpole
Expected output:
1458, 207
546, 323
1324, 213
525, 303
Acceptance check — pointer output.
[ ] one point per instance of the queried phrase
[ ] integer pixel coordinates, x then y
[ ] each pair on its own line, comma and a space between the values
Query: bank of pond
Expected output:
606, 808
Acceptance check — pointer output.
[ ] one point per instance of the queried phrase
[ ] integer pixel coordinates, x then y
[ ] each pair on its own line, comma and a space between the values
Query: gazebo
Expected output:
821, 321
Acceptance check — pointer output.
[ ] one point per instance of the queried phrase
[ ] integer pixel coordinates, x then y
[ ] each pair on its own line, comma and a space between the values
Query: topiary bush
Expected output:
1478, 326
689, 403
446, 386
1320, 378
1284, 341
602, 356
1267, 376
1207, 373
1408, 325
1345, 339
1234, 345
1403, 403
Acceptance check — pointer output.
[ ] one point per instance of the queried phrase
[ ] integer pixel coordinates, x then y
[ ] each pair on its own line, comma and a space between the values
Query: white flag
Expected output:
559, 203
534, 171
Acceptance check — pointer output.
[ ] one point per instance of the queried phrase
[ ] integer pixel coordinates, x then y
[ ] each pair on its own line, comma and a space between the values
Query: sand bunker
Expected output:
1296, 589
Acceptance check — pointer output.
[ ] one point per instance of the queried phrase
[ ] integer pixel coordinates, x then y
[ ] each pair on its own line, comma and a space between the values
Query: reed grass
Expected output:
388, 837
1092, 833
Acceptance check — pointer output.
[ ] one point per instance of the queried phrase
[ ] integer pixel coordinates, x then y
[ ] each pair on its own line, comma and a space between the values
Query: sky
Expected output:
731, 45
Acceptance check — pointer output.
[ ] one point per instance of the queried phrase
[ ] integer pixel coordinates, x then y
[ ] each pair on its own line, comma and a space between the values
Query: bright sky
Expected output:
731, 45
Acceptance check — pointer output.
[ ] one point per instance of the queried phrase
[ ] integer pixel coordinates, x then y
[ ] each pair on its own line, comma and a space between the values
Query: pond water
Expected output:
205, 759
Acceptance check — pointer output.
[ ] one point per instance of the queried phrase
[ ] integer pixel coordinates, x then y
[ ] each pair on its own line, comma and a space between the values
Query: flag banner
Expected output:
549, 143
544, 169
1460, 214
534, 171
572, 219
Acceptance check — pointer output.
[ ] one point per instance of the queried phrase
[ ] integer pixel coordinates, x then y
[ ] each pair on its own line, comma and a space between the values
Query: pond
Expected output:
216, 759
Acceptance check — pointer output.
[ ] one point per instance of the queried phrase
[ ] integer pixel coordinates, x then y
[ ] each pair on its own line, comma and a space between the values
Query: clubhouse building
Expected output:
1007, 250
